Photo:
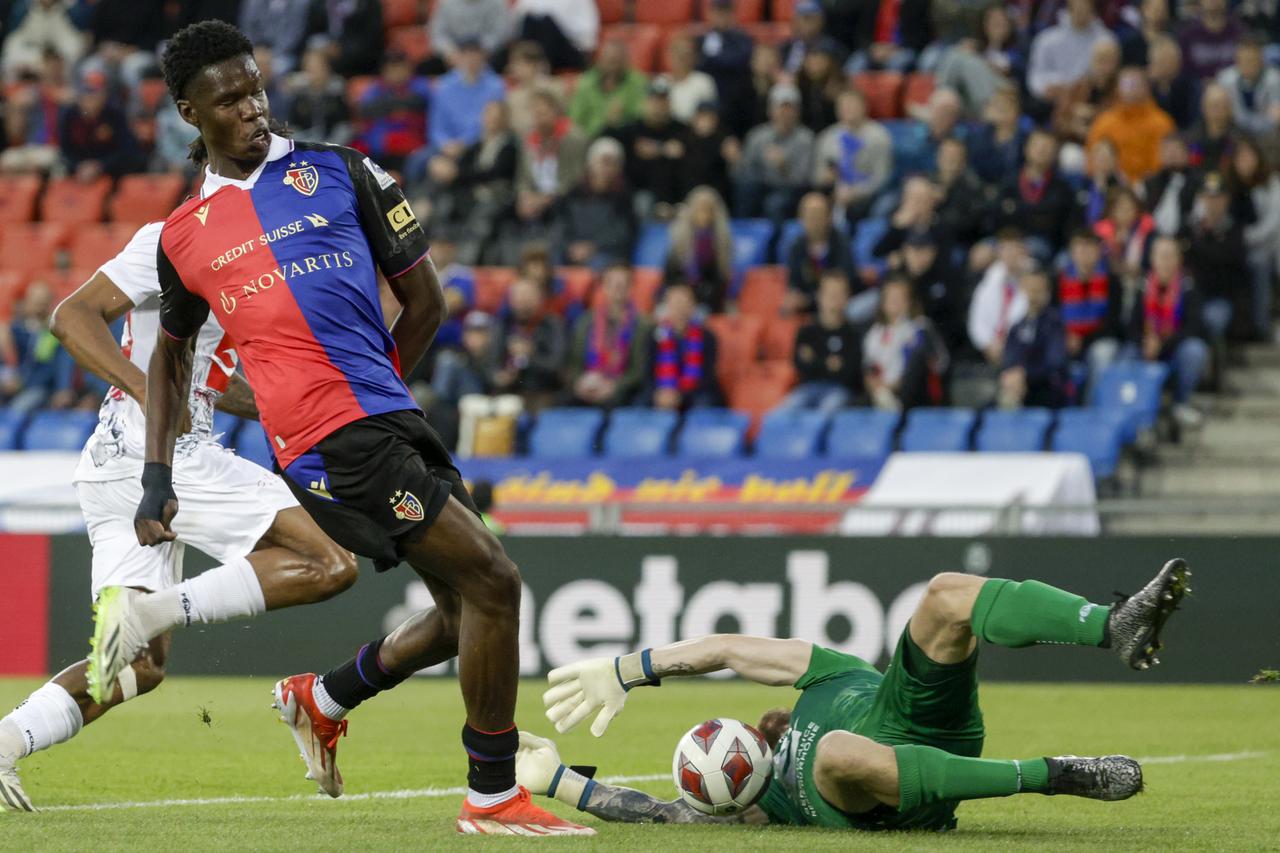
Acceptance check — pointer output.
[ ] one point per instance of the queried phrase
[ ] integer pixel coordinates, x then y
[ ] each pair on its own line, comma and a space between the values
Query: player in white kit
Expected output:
272, 554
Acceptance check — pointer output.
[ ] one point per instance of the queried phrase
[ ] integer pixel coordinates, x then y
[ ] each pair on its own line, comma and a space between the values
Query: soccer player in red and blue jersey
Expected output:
285, 251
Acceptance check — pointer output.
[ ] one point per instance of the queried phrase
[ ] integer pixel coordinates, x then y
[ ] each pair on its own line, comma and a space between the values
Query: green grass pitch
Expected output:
1214, 783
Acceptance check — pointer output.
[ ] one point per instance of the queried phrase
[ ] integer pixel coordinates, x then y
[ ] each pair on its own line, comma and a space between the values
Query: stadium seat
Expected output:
565, 432
759, 388
96, 243
865, 237
12, 285
65, 282
251, 444
400, 13
783, 10
145, 198
763, 291
651, 246
58, 430
779, 340
413, 40
918, 89
18, 194
492, 284
664, 12
226, 427
1134, 388
793, 434
1097, 434
751, 238
75, 202
645, 284
882, 91
642, 41
712, 434
32, 246
861, 434
639, 433
611, 11
938, 430
737, 343
1020, 431
11, 424
578, 283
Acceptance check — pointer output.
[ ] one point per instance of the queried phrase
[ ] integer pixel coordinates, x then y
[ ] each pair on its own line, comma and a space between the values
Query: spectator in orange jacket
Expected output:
1135, 125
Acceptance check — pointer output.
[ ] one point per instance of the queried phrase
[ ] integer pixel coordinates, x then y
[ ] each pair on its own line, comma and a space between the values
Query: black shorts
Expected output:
377, 483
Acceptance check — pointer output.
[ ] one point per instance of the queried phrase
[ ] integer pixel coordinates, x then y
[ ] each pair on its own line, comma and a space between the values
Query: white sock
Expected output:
326, 703
48, 717
484, 801
229, 591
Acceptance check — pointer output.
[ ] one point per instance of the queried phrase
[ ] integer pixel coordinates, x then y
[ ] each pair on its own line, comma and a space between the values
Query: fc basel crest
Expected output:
304, 178
406, 506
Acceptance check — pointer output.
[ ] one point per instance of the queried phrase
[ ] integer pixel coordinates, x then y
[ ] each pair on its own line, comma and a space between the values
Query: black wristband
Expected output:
157, 490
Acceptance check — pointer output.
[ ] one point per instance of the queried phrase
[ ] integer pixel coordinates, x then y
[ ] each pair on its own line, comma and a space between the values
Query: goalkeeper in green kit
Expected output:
861, 749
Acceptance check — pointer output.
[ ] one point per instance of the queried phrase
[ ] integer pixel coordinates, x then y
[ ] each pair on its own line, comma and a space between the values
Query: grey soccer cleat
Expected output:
1112, 777
12, 797
1133, 628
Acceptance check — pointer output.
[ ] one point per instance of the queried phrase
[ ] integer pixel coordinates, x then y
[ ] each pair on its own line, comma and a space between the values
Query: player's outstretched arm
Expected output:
601, 684
422, 311
82, 323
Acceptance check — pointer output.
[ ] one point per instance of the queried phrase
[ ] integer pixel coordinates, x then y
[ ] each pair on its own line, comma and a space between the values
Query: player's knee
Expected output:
498, 582
948, 600
334, 570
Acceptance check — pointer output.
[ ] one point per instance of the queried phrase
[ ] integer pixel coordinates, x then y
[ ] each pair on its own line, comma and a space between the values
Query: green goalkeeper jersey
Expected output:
840, 692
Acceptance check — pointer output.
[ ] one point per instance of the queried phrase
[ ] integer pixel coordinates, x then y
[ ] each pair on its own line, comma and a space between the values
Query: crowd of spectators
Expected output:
1087, 181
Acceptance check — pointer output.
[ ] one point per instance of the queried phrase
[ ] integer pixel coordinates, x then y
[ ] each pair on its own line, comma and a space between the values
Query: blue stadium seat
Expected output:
861, 434
938, 430
1098, 434
651, 246
226, 427
865, 237
790, 232
1133, 388
56, 430
712, 434
565, 432
11, 424
791, 434
1021, 431
635, 433
751, 239
252, 444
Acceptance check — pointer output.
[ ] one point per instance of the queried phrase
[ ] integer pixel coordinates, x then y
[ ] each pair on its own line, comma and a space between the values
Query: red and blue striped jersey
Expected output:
287, 261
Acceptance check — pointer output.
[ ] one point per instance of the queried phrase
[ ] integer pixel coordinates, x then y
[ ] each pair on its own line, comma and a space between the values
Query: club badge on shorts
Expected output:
304, 179
406, 506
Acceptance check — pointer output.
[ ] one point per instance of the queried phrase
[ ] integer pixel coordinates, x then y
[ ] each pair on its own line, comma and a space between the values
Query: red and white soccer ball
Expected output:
721, 766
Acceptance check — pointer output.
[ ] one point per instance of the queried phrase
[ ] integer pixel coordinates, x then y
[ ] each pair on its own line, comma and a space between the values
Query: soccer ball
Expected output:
721, 766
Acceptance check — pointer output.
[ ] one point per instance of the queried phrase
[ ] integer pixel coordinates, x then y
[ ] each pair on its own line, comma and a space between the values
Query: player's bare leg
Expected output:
295, 563
58, 711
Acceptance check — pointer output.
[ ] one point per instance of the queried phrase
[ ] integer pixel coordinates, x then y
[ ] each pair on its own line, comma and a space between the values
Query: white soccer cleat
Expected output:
315, 734
117, 638
12, 797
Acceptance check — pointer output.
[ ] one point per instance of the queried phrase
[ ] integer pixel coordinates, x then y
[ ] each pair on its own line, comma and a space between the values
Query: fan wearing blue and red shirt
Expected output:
286, 252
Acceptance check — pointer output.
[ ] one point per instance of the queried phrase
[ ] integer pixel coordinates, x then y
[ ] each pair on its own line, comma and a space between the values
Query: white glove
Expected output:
537, 761
599, 684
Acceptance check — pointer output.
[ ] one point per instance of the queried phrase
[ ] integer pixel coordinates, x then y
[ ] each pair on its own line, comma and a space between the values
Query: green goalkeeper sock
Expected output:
1013, 614
927, 775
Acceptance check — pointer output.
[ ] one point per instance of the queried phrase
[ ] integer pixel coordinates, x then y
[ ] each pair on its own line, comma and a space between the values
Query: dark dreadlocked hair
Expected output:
194, 48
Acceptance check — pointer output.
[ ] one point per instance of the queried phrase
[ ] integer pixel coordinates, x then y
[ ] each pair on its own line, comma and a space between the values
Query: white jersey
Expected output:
116, 450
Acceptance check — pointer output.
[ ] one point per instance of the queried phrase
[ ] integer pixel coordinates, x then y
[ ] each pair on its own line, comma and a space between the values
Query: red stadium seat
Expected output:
32, 246
738, 339
883, 91
612, 11
918, 89
145, 198
399, 13
664, 11
18, 194
414, 40
72, 201
642, 40
779, 342
578, 284
760, 388
763, 291
492, 284
12, 285
63, 283
784, 10
92, 245
645, 284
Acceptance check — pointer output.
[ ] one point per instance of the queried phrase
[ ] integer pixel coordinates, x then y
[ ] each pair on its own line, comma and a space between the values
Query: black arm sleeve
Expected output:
395, 236
182, 312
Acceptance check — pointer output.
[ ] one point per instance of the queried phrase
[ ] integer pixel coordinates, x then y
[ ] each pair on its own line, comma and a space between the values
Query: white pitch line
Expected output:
435, 793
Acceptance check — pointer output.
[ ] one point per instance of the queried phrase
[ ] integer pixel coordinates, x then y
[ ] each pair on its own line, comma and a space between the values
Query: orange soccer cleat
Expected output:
516, 816
316, 735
